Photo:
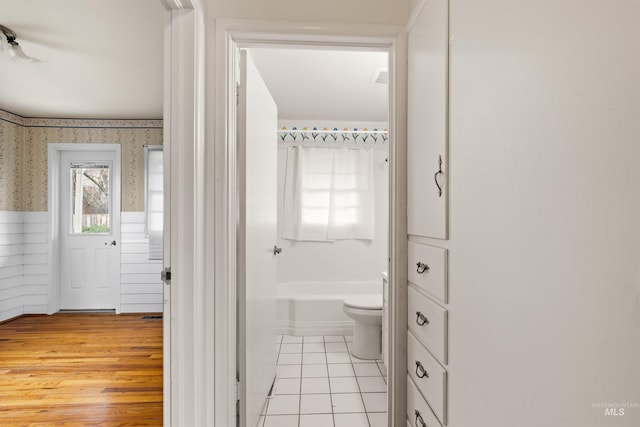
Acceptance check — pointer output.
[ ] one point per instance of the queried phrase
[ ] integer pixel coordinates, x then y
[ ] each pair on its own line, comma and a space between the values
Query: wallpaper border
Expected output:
36, 122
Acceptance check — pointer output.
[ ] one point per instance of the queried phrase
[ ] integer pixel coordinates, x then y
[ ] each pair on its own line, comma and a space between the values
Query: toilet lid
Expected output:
364, 302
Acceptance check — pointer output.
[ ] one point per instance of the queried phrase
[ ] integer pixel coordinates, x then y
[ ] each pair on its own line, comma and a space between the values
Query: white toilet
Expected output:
366, 311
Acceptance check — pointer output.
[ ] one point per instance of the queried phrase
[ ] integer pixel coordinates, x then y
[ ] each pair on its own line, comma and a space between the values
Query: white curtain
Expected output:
155, 201
328, 194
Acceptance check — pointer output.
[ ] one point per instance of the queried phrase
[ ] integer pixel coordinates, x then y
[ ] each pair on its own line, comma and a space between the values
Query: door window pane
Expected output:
90, 201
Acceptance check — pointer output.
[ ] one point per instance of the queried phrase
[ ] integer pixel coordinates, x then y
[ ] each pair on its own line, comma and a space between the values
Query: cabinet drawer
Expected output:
418, 409
428, 322
428, 269
428, 375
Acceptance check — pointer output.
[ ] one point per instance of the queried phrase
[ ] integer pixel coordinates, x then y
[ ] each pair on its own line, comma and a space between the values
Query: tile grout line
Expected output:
358, 384
300, 395
326, 362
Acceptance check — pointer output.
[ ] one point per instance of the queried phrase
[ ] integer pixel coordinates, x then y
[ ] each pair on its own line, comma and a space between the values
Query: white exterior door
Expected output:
257, 166
89, 230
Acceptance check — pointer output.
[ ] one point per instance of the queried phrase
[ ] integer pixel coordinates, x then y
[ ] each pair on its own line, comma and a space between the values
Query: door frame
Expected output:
231, 35
54, 153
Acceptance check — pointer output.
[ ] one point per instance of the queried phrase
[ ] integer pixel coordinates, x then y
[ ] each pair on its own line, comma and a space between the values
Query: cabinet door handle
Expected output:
435, 177
422, 267
421, 319
420, 371
419, 419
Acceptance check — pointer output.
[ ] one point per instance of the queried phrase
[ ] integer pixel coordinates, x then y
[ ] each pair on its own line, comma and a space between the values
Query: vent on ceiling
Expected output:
381, 76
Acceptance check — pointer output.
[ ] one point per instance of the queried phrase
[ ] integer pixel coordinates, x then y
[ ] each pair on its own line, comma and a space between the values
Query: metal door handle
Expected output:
112, 243
276, 250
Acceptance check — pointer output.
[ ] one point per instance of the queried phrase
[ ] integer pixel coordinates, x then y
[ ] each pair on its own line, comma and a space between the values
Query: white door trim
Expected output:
229, 35
54, 152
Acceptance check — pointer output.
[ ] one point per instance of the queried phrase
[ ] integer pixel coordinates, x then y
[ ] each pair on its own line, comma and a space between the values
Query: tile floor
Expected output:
321, 385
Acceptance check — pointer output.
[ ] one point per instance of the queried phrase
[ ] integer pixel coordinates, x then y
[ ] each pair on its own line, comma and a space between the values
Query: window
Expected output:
90, 200
154, 199
328, 194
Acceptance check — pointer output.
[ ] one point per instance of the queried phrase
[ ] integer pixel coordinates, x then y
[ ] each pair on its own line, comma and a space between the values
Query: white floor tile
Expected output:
288, 386
314, 371
290, 348
284, 405
289, 371
333, 338
316, 420
341, 370
372, 384
278, 339
291, 339
383, 368
316, 338
313, 347
290, 359
375, 402
315, 404
315, 386
366, 370
314, 359
378, 419
281, 421
338, 358
348, 338
335, 347
347, 402
351, 420
344, 385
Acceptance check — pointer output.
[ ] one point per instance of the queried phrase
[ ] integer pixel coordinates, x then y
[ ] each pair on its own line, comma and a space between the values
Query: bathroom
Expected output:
332, 110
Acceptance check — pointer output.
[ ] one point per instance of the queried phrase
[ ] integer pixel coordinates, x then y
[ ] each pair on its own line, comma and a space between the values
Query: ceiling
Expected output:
103, 59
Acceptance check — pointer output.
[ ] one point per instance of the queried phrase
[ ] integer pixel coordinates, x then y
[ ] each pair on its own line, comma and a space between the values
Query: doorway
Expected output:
380, 400
84, 213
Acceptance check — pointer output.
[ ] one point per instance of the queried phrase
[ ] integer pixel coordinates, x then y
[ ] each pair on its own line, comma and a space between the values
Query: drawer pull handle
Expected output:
419, 419
420, 371
421, 318
422, 267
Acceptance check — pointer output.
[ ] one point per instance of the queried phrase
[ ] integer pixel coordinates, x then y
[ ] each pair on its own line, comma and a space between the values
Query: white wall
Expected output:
24, 266
352, 11
342, 260
11, 264
141, 288
545, 213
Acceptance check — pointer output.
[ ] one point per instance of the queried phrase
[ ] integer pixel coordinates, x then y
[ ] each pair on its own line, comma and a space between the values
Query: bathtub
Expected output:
315, 308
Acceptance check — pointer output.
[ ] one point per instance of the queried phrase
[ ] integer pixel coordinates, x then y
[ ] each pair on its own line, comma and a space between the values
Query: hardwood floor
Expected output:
81, 369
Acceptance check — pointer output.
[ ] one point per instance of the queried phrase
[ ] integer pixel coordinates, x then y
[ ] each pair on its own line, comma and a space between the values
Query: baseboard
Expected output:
287, 327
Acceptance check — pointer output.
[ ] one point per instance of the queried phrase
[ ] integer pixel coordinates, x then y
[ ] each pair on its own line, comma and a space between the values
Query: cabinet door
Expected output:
428, 121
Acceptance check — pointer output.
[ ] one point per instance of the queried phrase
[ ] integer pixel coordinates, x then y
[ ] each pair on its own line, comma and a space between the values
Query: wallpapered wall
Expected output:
23, 155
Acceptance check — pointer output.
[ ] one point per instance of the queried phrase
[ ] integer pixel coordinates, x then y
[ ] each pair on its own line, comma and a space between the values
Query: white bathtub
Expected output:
315, 308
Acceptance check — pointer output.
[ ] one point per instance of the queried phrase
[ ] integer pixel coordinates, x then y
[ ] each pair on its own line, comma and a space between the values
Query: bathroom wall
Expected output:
11, 161
343, 260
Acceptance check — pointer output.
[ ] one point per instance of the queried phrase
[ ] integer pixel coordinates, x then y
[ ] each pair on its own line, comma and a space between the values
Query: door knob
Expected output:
112, 243
276, 250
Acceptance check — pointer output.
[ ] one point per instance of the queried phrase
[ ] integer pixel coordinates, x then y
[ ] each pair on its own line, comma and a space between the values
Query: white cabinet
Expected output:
427, 132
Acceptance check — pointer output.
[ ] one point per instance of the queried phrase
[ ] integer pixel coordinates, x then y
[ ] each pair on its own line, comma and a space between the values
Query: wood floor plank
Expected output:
80, 369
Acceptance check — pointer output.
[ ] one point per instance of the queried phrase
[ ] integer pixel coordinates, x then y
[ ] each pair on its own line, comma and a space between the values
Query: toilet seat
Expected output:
364, 302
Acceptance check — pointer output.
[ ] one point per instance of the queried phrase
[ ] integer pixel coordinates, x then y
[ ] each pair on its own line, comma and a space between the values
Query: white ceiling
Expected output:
99, 59
104, 59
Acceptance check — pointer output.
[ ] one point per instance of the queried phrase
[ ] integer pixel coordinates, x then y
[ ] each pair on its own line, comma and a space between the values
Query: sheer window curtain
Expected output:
328, 194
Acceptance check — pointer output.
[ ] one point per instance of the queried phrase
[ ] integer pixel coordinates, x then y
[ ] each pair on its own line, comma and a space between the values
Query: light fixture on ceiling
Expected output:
14, 48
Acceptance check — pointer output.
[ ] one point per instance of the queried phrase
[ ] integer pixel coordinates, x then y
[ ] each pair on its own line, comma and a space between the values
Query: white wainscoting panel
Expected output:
141, 288
36, 263
11, 264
